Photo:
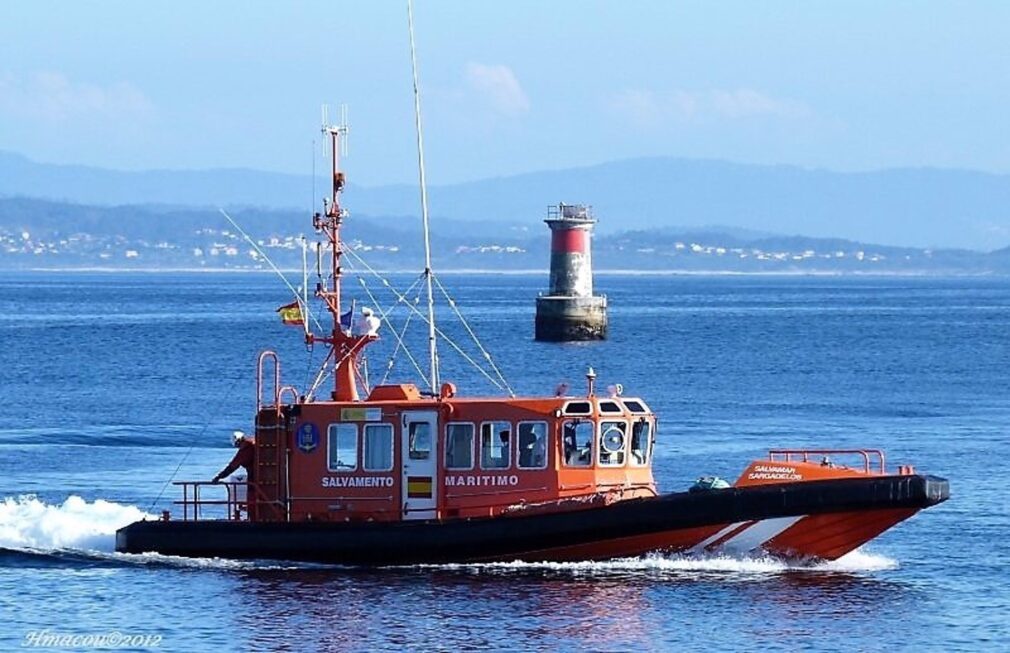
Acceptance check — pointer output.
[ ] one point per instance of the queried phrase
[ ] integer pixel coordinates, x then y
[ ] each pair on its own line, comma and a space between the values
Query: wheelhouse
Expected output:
399, 455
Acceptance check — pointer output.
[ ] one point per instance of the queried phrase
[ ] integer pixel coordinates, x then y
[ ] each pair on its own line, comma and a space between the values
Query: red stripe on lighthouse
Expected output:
570, 241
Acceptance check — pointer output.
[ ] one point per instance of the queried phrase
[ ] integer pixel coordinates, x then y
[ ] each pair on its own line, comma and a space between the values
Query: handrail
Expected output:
876, 455
287, 389
191, 501
264, 355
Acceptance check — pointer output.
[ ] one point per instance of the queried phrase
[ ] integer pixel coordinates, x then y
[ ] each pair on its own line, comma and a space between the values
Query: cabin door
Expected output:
419, 453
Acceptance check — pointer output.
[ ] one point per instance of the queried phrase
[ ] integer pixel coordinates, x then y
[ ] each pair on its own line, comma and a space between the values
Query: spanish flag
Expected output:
291, 314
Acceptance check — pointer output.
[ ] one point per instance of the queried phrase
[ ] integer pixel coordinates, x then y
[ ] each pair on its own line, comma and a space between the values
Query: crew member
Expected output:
503, 450
244, 458
570, 446
367, 324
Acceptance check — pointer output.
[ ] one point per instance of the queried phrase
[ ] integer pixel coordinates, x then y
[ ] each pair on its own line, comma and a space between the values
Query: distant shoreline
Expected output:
535, 272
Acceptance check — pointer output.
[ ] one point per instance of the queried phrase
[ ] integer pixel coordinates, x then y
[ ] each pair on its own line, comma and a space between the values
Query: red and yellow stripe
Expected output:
419, 487
291, 314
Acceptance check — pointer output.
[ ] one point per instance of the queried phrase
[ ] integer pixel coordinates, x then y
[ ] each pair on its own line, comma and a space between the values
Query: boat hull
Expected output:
816, 519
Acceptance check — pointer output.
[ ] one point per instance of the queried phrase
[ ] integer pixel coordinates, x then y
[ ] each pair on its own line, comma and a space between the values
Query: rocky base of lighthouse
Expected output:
565, 319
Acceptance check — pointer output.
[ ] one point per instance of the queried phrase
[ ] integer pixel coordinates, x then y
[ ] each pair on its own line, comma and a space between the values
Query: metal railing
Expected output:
235, 503
287, 390
564, 211
869, 456
260, 363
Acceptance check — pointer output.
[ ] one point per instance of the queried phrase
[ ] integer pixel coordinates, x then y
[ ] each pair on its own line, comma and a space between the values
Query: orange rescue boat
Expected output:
405, 476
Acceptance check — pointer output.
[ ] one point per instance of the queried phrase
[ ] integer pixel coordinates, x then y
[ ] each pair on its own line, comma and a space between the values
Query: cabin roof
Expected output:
409, 397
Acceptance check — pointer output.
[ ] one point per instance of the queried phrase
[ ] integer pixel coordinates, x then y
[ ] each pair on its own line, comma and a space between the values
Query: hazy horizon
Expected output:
533, 171
507, 90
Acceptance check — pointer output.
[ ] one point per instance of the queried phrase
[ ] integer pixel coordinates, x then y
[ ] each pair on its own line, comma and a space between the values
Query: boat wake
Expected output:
686, 565
28, 523
79, 532
83, 533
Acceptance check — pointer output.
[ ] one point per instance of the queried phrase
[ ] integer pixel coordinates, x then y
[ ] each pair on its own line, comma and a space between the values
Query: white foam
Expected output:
28, 523
648, 563
207, 563
76, 525
860, 560
856, 561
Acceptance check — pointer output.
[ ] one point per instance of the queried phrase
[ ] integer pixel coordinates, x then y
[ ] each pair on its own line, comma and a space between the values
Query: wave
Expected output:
83, 533
27, 523
124, 435
45, 558
63, 558
854, 562
159, 560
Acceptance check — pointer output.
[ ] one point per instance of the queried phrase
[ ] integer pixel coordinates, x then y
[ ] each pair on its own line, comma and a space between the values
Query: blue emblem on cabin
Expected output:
307, 437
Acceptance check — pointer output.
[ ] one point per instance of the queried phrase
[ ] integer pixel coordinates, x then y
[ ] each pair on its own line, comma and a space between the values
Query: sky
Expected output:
507, 87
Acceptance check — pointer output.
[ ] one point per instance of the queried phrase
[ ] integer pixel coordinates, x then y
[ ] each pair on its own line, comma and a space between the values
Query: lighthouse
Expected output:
570, 310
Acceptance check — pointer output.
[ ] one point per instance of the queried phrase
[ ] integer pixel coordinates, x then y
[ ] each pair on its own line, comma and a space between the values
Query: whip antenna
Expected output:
432, 350
344, 142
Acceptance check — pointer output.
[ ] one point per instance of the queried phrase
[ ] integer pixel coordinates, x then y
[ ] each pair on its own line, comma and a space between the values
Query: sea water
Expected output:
115, 383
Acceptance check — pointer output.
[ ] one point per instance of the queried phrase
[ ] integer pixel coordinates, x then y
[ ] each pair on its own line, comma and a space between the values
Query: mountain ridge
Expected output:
917, 207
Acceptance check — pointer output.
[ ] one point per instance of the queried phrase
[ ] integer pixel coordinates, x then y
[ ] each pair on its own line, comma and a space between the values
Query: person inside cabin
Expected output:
244, 458
532, 445
494, 445
577, 438
502, 459
540, 452
568, 439
640, 441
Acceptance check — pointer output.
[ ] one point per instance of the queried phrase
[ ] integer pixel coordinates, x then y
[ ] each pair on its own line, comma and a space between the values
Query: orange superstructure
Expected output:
403, 455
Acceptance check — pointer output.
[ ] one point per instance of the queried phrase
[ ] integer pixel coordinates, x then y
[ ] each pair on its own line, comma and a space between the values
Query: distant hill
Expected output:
43, 234
900, 207
20, 176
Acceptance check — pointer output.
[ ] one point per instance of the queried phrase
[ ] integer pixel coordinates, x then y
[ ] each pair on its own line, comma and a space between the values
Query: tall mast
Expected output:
432, 350
331, 220
329, 223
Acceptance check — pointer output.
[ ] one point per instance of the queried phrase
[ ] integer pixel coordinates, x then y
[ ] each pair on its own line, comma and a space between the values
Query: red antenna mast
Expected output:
345, 346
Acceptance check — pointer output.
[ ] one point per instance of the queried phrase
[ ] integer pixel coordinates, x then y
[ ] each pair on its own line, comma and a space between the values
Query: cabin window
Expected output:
419, 435
532, 440
613, 437
578, 408
459, 446
495, 445
577, 440
378, 448
641, 442
611, 407
342, 442
635, 406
